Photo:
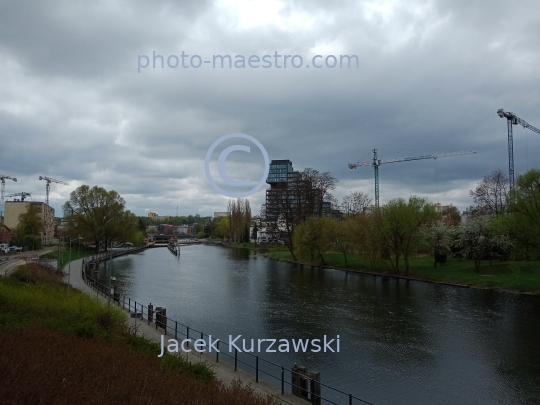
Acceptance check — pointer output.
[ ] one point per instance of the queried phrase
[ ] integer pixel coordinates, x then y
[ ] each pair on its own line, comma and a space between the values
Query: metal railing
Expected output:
274, 373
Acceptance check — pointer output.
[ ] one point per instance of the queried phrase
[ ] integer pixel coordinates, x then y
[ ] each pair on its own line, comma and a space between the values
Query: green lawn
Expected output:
520, 276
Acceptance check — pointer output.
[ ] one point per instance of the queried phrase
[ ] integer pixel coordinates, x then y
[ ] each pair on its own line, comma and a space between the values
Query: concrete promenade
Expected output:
224, 371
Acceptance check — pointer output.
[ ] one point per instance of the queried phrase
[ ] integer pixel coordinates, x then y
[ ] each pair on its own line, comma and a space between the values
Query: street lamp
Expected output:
69, 265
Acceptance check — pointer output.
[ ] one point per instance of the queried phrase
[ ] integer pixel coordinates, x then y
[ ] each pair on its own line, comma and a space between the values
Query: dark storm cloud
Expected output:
431, 76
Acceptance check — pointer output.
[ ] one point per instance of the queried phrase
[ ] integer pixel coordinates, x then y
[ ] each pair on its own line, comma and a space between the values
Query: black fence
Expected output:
300, 382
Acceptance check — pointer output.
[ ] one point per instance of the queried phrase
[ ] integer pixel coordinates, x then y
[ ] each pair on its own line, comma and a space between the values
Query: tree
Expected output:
523, 222
254, 232
239, 214
99, 215
477, 240
28, 231
356, 202
313, 238
438, 236
343, 235
450, 215
490, 195
402, 224
366, 236
308, 194
223, 228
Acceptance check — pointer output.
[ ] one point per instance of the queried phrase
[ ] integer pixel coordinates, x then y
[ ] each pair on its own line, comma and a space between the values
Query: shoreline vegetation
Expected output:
522, 277
60, 345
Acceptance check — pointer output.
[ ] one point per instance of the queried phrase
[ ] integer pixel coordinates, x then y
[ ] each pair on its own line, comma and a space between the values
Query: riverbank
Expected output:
57, 341
514, 277
224, 371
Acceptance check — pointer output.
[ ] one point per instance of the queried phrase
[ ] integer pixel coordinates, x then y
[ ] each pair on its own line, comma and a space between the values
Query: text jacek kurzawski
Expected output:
251, 345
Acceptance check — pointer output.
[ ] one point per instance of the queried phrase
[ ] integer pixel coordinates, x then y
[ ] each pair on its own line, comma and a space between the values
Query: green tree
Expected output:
313, 238
342, 234
99, 215
137, 238
28, 231
254, 232
401, 227
523, 222
223, 228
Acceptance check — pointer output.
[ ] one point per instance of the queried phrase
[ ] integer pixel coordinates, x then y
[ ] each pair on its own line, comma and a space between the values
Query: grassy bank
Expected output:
64, 255
61, 346
518, 276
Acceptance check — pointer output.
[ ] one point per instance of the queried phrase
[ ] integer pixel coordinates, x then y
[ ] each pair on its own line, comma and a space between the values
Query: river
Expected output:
401, 342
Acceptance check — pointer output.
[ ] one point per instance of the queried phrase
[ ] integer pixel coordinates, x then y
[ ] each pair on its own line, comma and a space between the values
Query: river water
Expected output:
401, 342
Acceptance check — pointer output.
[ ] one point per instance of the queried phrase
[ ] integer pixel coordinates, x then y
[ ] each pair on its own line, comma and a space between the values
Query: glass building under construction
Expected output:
290, 194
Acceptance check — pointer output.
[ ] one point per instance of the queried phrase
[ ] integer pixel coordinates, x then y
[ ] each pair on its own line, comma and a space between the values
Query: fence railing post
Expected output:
217, 352
235, 358
175, 330
256, 368
282, 380
129, 304
350, 399
187, 335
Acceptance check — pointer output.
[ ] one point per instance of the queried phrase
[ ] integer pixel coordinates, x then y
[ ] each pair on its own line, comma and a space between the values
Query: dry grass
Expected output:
46, 367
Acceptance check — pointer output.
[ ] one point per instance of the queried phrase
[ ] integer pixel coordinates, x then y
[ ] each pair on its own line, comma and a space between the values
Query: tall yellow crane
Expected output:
375, 163
50, 180
3, 178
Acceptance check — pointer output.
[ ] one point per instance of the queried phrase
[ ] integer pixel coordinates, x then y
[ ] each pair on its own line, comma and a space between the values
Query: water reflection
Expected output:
402, 342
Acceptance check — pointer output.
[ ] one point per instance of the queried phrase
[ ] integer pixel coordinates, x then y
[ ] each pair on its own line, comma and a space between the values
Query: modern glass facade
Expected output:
279, 171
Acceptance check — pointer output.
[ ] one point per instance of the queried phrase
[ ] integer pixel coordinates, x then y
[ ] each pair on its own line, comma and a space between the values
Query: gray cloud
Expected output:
431, 76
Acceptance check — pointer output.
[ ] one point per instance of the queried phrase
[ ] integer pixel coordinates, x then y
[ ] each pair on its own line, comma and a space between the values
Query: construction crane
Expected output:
50, 180
376, 163
513, 119
3, 178
23, 195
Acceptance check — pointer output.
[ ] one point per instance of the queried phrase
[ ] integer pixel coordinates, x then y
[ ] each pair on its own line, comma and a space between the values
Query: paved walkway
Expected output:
224, 371
8, 263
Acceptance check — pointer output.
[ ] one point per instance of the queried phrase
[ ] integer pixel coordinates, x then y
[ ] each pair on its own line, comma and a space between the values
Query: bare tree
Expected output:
356, 202
490, 195
306, 195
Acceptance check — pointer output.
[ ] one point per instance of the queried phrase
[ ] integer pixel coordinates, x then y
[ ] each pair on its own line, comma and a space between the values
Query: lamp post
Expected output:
69, 265
111, 278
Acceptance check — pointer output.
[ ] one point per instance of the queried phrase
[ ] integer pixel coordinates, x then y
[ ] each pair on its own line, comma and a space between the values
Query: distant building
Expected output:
165, 229
220, 214
15, 208
184, 230
152, 215
5, 234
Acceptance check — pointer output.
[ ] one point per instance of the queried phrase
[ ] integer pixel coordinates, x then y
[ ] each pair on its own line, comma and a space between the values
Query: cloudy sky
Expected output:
77, 103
